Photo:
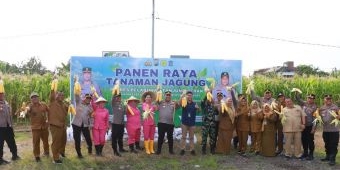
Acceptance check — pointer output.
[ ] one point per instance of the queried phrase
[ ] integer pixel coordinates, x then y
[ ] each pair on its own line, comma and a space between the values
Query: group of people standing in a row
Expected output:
265, 118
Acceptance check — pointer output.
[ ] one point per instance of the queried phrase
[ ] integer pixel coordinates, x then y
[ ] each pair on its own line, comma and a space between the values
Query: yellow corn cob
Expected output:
250, 87
77, 87
71, 109
54, 85
184, 101
2, 89
296, 90
209, 95
159, 94
274, 105
281, 115
116, 88
317, 116
336, 121
94, 91
130, 110
223, 106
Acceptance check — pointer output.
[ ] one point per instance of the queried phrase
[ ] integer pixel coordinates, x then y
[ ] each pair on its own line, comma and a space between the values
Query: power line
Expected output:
73, 29
249, 35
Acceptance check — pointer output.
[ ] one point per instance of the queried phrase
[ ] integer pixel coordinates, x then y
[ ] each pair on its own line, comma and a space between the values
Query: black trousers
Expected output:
169, 130
7, 134
307, 139
76, 136
331, 140
117, 136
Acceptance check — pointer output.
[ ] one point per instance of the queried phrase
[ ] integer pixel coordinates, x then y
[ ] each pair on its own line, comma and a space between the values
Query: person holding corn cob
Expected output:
242, 123
307, 137
133, 124
189, 109
226, 126
118, 111
148, 121
58, 111
277, 105
100, 124
81, 122
330, 114
38, 113
256, 118
268, 131
293, 124
166, 109
208, 124
6, 127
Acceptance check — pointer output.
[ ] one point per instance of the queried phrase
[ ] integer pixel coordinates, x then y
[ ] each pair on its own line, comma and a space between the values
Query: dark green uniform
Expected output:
208, 124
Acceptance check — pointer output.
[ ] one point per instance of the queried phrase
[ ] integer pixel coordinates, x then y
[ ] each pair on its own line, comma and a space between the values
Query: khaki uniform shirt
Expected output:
294, 118
38, 114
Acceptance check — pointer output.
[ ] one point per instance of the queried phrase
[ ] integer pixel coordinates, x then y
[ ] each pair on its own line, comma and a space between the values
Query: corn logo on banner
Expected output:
98, 76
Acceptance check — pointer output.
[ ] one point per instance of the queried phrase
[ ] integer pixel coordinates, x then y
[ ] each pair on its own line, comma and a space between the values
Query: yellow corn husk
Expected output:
77, 88
184, 102
2, 88
283, 119
296, 90
336, 121
209, 95
71, 109
274, 105
54, 85
333, 113
250, 87
223, 107
159, 93
130, 110
235, 84
94, 91
116, 88
318, 119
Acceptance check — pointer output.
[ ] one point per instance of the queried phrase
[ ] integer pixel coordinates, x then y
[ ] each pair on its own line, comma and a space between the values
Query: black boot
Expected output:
310, 156
15, 157
204, 149
212, 149
331, 160
79, 153
171, 147
132, 148
138, 146
115, 151
89, 150
325, 159
159, 148
97, 149
101, 150
235, 142
120, 145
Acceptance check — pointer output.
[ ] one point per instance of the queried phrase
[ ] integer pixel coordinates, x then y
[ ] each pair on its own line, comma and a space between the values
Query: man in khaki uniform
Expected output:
38, 113
292, 128
57, 120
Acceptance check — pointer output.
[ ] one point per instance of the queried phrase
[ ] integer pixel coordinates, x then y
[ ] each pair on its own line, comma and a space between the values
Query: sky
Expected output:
255, 32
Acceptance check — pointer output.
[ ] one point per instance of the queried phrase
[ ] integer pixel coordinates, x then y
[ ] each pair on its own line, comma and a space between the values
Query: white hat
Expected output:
101, 99
132, 98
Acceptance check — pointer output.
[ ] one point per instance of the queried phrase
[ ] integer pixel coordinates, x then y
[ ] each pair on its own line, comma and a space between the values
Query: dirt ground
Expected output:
232, 161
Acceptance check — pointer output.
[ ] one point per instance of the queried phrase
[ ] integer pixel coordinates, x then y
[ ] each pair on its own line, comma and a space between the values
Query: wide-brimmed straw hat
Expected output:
152, 94
101, 99
132, 98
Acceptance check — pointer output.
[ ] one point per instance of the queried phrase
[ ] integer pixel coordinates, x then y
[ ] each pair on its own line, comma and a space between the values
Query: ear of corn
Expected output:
77, 87
250, 87
71, 109
184, 101
159, 94
209, 95
296, 90
335, 121
318, 120
116, 88
54, 85
94, 91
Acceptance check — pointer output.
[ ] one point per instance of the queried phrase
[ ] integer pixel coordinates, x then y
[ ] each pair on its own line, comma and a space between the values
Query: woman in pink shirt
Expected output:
100, 124
148, 120
133, 124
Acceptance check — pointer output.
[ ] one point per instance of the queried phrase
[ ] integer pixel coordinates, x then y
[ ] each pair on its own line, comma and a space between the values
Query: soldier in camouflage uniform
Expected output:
208, 125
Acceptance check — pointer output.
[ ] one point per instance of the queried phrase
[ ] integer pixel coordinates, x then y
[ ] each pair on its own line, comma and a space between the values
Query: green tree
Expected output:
33, 66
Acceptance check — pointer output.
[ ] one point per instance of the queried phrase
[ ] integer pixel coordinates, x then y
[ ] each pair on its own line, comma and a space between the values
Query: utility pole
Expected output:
153, 30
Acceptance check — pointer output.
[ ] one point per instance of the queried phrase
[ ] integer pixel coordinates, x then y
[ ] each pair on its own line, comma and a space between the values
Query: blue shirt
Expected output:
189, 114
